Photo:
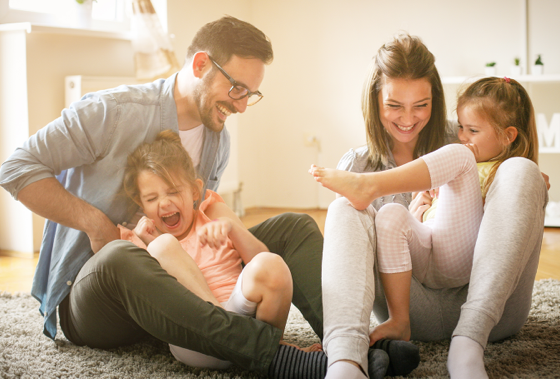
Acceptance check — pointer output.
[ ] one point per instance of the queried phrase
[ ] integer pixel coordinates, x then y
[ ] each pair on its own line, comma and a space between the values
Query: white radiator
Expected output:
77, 86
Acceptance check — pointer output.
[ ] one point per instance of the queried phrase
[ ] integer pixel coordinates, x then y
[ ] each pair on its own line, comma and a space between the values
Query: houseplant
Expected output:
490, 69
538, 67
516, 68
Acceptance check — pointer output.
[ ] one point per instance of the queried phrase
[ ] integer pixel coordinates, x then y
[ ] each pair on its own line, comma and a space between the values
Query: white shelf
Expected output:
522, 78
38, 28
552, 218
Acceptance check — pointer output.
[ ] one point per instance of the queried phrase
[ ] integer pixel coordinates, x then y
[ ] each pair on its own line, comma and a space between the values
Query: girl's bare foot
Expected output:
351, 185
309, 349
391, 330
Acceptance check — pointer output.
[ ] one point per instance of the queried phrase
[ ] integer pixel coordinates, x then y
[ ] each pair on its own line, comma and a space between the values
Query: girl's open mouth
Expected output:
171, 220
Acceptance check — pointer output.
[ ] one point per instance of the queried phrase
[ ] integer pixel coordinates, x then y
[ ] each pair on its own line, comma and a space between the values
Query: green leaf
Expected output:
539, 61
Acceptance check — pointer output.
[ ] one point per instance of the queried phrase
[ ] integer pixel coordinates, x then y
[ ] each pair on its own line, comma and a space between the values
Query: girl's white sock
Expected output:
344, 370
466, 359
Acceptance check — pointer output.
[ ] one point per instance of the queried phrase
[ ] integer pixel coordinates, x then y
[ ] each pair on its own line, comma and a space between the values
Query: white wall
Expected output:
544, 33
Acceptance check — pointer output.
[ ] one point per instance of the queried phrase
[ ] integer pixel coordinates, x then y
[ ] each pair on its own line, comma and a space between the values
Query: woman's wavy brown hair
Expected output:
406, 57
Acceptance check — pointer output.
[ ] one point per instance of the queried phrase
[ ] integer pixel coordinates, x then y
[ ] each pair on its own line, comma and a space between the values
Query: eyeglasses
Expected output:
238, 91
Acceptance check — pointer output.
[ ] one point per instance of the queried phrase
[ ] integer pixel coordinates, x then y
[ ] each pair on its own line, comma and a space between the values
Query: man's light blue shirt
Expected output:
86, 149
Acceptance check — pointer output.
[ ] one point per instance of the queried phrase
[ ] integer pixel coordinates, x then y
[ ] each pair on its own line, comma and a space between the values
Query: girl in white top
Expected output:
496, 122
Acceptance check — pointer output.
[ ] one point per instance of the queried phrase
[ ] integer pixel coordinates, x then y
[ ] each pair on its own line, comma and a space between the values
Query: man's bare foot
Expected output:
351, 185
391, 330
309, 349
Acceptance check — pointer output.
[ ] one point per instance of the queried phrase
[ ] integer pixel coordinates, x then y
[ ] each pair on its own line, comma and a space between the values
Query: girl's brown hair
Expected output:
406, 57
166, 157
504, 103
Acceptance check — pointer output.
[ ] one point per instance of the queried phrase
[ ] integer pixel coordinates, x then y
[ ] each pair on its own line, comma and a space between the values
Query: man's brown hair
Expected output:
230, 36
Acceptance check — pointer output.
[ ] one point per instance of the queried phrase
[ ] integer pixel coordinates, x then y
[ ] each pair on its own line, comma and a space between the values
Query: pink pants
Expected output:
440, 251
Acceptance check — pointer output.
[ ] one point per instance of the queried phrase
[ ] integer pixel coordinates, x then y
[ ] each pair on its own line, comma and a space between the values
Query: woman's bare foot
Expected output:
466, 359
391, 330
309, 349
351, 185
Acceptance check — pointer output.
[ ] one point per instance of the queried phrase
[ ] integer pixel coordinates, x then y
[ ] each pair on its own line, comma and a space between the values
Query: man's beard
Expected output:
205, 109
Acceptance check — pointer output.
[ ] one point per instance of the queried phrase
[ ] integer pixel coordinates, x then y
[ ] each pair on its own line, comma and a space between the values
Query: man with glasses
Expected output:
239, 91
111, 293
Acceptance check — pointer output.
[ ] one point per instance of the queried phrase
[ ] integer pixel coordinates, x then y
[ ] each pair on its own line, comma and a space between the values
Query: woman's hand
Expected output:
215, 233
421, 202
146, 230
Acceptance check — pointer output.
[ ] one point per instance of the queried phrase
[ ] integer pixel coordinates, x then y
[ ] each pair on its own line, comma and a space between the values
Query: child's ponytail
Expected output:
170, 136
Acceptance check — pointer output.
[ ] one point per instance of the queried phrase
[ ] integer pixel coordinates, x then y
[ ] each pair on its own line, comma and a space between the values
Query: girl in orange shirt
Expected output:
205, 241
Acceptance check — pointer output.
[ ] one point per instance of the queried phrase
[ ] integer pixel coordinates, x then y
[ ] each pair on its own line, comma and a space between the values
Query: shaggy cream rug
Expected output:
26, 353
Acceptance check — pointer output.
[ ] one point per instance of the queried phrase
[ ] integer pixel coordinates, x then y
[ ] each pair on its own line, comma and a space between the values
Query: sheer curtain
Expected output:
153, 53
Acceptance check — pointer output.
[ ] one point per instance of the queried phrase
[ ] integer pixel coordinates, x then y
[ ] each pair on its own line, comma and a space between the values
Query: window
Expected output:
108, 10
107, 15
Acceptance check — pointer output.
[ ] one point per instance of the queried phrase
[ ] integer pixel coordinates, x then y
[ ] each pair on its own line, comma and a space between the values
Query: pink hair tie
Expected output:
507, 79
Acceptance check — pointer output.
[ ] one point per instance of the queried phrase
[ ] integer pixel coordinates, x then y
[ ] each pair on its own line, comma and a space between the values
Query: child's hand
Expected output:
146, 230
421, 202
215, 233
474, 149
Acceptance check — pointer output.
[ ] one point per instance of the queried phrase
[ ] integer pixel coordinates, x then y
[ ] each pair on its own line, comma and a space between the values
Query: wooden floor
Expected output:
16, 274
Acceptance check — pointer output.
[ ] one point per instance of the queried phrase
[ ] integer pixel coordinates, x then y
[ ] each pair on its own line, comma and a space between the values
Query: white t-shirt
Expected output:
192, 142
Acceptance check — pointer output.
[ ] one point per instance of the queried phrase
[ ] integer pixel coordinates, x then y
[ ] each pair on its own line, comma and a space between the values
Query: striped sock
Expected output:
292, 363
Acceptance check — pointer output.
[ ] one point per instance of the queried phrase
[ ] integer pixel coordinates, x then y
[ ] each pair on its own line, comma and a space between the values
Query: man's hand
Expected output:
47, 198
421, 202
100, 229
215, 233
146, 230
102, 237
